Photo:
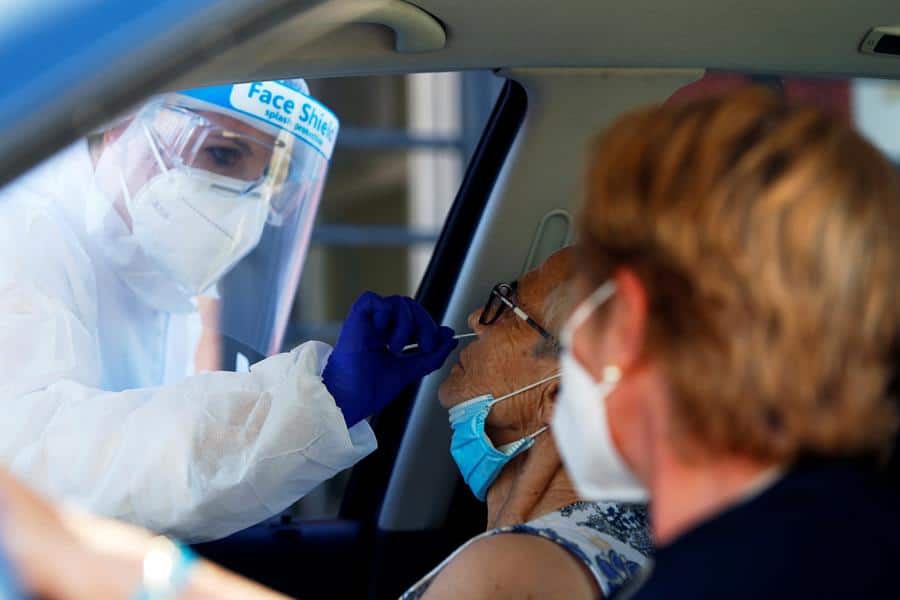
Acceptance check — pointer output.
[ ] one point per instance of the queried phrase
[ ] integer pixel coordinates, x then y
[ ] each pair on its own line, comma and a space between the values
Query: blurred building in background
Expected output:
400, 156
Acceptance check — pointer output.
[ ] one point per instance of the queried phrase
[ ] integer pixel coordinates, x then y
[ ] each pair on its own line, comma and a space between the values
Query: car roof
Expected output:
799, 37
69, 79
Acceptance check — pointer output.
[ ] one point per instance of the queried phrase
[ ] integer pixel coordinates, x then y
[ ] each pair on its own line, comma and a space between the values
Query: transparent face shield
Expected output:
209, 208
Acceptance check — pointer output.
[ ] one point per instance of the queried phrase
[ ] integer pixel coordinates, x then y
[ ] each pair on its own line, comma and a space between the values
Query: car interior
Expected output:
565, 69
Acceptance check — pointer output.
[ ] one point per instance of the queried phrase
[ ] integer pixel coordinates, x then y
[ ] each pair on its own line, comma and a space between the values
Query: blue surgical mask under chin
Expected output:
478, 460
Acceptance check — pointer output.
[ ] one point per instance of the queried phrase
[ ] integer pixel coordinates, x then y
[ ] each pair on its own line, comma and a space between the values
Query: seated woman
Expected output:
541, 541
740, 267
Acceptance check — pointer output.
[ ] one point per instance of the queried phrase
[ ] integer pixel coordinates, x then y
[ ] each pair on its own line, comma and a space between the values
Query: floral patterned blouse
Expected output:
611, 539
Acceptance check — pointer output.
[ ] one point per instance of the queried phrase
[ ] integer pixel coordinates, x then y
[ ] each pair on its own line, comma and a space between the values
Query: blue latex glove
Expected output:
367, 369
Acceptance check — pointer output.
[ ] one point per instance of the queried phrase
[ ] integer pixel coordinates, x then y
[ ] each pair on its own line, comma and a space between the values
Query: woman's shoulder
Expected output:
578, 550
507, 564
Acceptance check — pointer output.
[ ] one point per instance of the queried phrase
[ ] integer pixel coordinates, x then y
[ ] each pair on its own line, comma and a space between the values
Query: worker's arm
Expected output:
209, 455
200, 459
213, 453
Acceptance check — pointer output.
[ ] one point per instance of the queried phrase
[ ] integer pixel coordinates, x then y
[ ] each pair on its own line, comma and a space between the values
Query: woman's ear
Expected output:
628, 320
549, 395
617, 339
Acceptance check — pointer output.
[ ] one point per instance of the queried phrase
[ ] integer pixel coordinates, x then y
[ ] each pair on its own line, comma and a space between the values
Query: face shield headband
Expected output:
298, 133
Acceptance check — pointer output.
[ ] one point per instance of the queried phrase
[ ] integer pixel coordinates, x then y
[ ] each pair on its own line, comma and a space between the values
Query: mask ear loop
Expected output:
526, 388
527, 441
584, 310
524, 443
538, 432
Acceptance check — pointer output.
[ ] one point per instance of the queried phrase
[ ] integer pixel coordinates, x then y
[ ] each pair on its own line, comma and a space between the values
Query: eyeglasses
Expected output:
501, 298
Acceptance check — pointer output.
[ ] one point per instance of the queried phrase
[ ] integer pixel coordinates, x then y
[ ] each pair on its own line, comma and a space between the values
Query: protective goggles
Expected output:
250, 158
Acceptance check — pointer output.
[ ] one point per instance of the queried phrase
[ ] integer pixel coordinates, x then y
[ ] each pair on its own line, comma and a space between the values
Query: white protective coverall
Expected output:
198, 457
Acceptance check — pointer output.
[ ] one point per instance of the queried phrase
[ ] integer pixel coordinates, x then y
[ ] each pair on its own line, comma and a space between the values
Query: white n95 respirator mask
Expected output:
196, 225
581, 425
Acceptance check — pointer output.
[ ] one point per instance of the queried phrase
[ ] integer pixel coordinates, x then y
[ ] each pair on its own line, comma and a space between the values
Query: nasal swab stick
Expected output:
458, 336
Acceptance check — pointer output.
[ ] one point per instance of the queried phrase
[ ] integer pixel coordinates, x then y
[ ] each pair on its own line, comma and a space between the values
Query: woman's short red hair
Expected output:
766, 236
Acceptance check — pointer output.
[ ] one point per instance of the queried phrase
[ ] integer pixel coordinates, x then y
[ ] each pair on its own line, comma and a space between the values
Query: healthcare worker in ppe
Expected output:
109, 254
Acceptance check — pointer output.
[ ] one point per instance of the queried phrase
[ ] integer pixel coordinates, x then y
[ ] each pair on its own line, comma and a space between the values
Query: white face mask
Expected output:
195, 224
580, 423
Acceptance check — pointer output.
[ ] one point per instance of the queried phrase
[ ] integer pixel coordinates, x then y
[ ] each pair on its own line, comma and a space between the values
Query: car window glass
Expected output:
403, 146
876, 111
872, 105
